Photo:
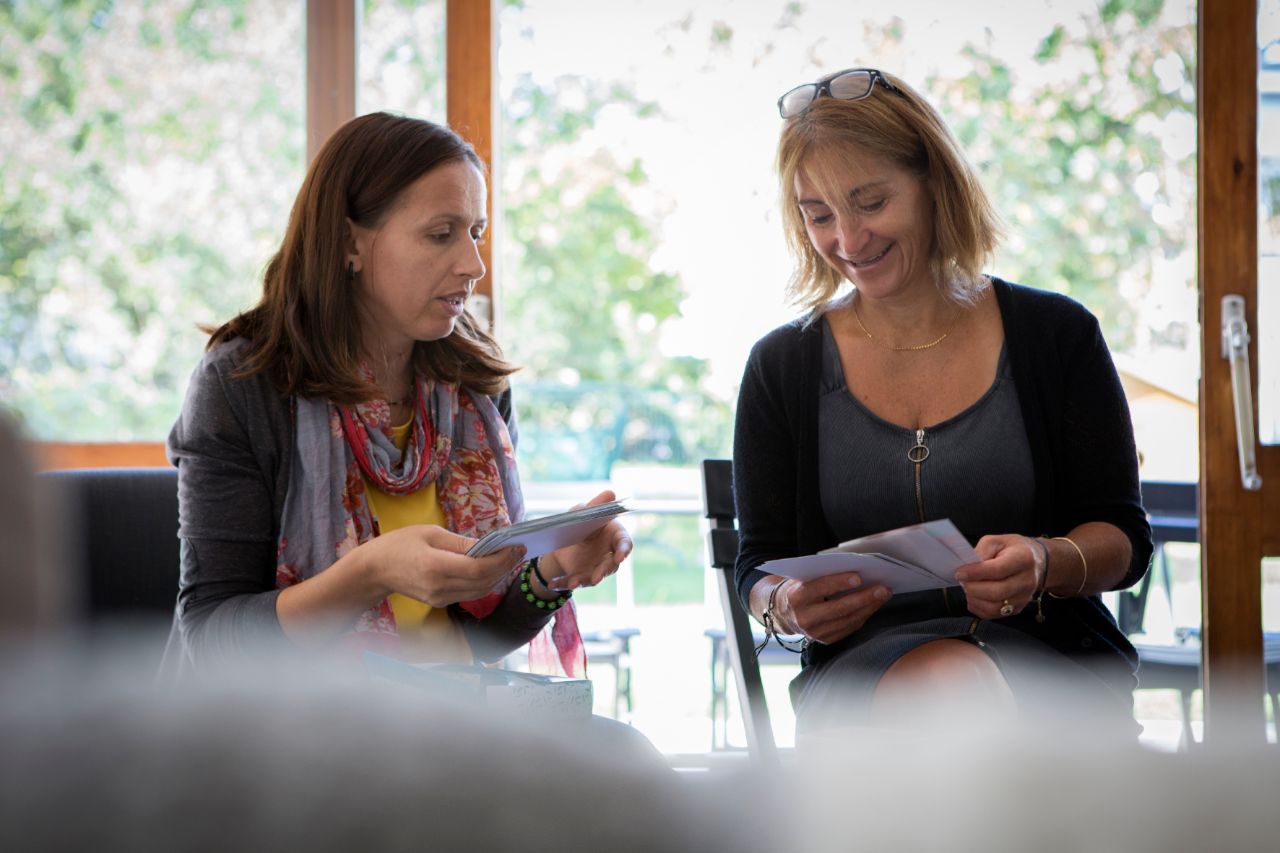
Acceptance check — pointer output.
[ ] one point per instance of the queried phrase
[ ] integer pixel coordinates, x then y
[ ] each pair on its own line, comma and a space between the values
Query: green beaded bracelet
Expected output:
533, 599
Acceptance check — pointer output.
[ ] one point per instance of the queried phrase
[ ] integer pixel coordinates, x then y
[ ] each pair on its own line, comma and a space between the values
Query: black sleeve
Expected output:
764, 476
227, 526
1100, 472
514, 622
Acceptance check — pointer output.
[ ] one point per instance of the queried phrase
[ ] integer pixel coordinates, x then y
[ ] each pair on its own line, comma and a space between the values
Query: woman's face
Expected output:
871, 220
418, 266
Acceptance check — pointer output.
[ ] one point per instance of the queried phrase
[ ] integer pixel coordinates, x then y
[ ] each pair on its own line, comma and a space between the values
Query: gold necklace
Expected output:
915, 348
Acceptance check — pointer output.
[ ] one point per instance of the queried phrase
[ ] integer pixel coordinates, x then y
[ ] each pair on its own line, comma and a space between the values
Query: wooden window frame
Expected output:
332, 52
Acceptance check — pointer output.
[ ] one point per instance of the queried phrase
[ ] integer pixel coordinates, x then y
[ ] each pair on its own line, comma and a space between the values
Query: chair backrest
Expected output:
122, 539
1174, 517
722, 550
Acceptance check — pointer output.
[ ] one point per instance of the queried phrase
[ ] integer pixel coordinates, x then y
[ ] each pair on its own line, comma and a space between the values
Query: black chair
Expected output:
122, 540
738, 642
770, 655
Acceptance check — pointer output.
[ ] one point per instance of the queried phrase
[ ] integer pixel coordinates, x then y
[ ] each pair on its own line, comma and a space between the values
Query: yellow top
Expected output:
426, 633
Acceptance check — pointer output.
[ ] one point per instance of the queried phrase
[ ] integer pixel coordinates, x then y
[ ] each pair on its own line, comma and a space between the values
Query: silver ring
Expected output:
1006, 609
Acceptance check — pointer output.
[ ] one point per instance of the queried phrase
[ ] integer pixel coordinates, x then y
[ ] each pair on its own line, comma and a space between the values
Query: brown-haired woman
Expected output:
344, 442
927, 391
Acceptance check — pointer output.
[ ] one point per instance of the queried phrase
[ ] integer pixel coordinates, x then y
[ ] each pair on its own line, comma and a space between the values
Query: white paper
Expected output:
542, 535
909, 559
872, 568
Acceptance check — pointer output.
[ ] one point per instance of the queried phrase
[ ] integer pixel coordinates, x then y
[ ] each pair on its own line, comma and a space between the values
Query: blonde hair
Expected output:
901, 127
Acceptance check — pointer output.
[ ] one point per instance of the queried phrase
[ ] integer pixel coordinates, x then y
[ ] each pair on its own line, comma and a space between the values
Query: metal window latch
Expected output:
1235, 349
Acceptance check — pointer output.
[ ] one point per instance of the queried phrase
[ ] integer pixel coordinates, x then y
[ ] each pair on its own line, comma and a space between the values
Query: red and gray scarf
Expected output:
460, 442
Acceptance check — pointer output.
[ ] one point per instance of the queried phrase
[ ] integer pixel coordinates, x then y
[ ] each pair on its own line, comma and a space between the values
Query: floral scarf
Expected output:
459, 441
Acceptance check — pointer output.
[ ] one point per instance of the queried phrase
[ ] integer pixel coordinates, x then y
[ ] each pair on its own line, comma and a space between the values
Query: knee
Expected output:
941, 663
948, 674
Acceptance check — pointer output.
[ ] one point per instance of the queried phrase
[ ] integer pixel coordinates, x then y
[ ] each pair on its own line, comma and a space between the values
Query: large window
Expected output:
151, 154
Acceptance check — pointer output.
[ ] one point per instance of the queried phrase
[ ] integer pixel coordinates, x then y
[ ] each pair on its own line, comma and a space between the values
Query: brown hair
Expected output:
904, 129
304, 332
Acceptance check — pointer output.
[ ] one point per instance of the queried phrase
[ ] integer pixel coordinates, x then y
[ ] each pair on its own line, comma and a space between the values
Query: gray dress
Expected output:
976, 469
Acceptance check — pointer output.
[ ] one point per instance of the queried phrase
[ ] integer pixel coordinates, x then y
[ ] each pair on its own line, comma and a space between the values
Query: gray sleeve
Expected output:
508, 412
226, 449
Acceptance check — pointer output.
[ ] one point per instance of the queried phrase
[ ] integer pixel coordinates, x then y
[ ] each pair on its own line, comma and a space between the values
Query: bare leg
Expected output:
942, 681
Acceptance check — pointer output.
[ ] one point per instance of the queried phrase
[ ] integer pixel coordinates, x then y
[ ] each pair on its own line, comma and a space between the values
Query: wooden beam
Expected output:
470, 56
331, 69
50, 455
1230, 516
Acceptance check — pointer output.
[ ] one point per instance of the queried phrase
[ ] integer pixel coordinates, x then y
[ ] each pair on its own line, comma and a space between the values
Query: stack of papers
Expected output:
542, 535
909, 559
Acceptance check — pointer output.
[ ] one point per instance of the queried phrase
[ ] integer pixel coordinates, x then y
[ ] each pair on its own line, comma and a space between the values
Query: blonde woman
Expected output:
930, 390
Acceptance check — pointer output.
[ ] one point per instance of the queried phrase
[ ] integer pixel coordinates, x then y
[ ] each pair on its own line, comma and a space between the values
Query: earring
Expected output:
351, 271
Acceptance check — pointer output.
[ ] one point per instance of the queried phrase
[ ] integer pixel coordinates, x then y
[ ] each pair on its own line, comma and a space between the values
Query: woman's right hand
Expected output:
825, 609
429, 563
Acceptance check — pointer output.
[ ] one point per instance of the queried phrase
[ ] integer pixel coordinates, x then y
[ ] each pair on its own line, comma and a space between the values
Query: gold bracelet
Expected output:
1083, 563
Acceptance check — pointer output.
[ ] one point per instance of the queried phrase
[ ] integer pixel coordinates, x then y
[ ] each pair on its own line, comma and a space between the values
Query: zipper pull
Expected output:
919, 452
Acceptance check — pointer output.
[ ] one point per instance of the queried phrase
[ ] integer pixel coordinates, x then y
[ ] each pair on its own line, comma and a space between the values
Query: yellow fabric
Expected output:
426, 633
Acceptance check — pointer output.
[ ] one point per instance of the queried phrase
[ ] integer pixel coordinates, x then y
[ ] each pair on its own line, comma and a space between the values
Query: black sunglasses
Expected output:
852, 84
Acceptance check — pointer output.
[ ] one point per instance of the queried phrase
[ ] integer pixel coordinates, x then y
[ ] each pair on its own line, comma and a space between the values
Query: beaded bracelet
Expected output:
527, 588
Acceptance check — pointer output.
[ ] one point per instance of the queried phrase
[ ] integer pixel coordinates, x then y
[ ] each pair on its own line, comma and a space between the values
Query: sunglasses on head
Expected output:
852, 84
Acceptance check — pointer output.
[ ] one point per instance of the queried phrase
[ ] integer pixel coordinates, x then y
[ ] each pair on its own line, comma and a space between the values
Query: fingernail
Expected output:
520, 552
855, 581
962, 576
882, 594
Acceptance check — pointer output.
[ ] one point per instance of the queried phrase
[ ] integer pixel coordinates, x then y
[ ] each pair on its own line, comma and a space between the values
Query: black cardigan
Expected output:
1078, 427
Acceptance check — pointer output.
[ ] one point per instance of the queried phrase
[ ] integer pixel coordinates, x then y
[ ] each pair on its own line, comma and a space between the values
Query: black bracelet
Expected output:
771, 630
538, 574
1038, 598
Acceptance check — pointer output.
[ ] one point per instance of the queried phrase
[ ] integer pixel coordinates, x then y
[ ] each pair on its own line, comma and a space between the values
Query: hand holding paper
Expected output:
909, 559
590, 561
542, 535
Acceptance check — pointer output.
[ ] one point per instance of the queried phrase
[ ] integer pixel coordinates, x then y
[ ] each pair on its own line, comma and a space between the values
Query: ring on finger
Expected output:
1006, 609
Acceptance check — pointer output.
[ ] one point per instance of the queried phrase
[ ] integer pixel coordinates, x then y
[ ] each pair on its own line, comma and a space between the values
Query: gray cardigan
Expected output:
233, 445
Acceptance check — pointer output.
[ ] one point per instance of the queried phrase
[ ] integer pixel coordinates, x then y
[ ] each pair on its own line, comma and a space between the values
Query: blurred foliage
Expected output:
667, 561
1081, 156
151, 152
583, 307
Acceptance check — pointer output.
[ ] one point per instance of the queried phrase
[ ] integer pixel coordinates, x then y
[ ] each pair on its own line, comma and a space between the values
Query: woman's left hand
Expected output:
1006, 580
591, 560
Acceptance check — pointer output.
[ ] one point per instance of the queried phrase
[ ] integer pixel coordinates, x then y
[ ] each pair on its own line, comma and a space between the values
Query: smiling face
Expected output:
872, 222
417, 266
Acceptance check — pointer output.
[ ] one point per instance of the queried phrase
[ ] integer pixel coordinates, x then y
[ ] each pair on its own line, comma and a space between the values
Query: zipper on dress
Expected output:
917, 454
